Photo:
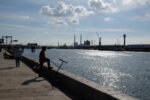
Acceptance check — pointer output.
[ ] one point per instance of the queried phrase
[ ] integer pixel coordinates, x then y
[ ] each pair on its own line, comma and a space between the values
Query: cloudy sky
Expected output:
48, 21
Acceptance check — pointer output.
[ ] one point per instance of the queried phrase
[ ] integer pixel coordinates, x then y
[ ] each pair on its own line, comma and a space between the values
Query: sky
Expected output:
48, 21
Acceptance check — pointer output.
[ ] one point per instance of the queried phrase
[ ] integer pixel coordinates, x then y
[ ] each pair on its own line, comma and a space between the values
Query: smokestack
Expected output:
80, 39
58, 43
99, 41
74, 39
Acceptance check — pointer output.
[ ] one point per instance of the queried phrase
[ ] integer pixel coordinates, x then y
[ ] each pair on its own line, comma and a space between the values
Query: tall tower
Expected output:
58, 43
74, 39
124, 37
80, 39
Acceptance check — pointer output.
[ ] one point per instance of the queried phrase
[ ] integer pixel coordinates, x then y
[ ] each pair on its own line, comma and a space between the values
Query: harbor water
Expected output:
127, 72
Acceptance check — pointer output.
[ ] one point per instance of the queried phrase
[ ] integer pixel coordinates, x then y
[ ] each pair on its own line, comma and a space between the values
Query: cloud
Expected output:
101, 6
107, 19
114, 6
144, 17
58, 21
15, 16
65, 13
25, 17
74, 20
20, 27
130, 4
105, 30
25, 29
135, 2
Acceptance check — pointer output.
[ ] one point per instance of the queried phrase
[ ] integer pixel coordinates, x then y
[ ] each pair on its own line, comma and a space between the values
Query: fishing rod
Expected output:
59, 66
54, 63
62, 61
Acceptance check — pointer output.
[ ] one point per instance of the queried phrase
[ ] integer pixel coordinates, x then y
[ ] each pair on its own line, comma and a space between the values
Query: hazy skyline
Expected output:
48, 21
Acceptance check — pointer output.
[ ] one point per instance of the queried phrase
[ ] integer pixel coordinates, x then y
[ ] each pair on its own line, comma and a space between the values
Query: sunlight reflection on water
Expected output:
123, 71
104, 54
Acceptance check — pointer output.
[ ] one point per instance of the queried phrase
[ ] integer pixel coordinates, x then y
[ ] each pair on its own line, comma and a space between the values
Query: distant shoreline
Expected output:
135, 48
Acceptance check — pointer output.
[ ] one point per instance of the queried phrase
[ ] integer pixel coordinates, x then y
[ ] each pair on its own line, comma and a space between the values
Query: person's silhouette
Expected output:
17, 54
43, 59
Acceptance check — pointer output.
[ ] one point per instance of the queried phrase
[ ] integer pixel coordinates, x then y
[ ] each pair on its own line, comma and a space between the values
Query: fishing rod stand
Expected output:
62, 62
56, 81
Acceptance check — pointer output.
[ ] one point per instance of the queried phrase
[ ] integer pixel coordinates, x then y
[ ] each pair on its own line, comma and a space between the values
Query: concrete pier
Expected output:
21, 83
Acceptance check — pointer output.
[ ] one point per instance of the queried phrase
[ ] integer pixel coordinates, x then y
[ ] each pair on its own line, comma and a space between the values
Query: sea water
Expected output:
128, 72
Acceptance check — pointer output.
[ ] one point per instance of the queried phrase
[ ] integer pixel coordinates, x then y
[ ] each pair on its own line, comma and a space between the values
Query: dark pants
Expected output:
17, 61
42, 61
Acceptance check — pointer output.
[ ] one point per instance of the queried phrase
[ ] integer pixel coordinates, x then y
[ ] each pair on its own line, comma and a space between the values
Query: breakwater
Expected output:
21, 83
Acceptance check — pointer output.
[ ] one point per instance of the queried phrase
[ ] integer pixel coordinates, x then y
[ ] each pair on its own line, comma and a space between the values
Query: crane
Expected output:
7, 39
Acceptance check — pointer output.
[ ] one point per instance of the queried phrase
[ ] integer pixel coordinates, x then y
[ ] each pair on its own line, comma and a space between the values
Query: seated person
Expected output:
43, 59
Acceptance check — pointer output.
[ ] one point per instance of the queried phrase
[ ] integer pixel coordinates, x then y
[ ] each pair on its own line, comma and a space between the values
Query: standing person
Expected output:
43, 59
32, 48
17, 54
